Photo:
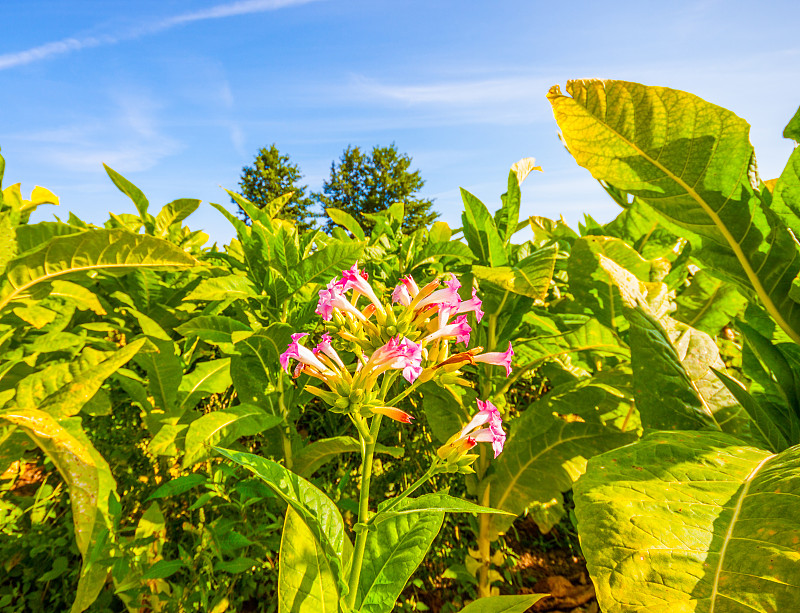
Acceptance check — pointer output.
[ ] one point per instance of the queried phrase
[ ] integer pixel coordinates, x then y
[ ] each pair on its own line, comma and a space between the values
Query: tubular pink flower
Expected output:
303, 355
405, 355
401, 295
355, 279
411, 285
453, 282
460, 329
448, 296
473, 304
498, 358
494, 434
333, 298
327, 349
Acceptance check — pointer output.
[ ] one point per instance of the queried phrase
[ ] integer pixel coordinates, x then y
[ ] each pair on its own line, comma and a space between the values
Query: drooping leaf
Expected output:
305, 581
346, 220
326, 263
209, 377
220, 427
215, 329
691, 521
95, 249
164, 373
317, 510
693, 163
223, 288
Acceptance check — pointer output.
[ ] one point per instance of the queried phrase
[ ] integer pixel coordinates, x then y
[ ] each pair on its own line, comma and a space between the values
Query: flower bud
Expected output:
357, 395
342, 403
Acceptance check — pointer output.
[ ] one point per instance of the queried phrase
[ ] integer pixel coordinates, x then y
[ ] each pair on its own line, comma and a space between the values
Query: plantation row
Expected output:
286, 424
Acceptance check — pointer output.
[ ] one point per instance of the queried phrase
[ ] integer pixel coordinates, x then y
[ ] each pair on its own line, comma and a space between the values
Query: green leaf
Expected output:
223, 288
314, 455
506, 218
259, 357
693, 163
178, 486
211, 377
305, 581
174, 212
346, 220
326, 263
435, 502
69, 400
164, 373
317, 510
481, 233
212, 428
686, 521
530, 277
135, 194
503, 604
709, 304
792, 129
394, 551
95, 249
162, 569
542, 458
214, 329
437, 251
78, 295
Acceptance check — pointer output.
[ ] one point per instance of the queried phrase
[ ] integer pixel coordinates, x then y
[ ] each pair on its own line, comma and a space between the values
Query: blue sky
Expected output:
178, 95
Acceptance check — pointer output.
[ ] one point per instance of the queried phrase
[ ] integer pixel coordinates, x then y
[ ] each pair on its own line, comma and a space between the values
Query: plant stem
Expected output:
368, 445
484, 544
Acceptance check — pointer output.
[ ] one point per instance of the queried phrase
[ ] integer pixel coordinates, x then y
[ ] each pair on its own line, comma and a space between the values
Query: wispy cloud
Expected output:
69, 45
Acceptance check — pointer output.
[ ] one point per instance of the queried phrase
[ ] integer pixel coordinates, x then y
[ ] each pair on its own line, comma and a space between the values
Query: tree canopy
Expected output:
271, 175
365, 183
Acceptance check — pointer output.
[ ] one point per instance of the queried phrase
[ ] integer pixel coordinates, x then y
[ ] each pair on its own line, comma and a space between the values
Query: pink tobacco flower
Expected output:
460, 329
356, 280
473, 304
406, 291
448, 296
304, 355
498, 358
332, 297
326, 348
493, 433
405, 355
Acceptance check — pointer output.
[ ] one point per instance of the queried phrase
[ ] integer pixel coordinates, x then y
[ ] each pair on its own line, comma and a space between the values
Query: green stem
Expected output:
368, 445
403, 394
484, 543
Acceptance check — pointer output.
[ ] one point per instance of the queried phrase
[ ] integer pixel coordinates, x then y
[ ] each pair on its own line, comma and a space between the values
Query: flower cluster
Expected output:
414, 336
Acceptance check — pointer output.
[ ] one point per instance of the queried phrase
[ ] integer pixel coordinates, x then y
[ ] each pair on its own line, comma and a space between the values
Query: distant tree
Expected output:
271, 175
368, 183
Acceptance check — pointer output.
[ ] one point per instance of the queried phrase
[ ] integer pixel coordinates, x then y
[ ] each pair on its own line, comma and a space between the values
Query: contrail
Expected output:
68, 45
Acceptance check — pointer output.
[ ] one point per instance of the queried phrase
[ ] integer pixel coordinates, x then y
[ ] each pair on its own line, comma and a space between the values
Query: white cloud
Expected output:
68, 45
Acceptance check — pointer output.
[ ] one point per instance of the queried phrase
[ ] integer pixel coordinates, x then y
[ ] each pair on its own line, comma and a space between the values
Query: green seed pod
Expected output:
391, 330
342, 403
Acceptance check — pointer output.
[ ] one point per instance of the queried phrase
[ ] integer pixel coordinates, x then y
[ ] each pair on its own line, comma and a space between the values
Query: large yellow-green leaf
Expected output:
94, 249
693, 163
543, 457
709, 304
503, 604
692, 521
305, 581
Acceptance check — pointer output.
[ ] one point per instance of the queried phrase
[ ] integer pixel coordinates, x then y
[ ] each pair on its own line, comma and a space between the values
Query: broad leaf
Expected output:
394, 551
691, 521
530, 277
346, 220
95, 249
173, 213
434, 502
317, 510
692, 162
305, 581
542, 458
709, 304
223, 288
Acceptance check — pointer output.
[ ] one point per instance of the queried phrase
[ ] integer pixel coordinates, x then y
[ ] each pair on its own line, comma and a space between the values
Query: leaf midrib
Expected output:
729, 534
732, 242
